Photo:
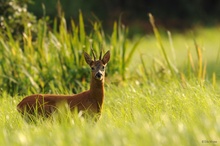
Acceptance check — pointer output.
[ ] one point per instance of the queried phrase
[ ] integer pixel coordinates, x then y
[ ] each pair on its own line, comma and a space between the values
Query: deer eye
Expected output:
92, 68
103, 67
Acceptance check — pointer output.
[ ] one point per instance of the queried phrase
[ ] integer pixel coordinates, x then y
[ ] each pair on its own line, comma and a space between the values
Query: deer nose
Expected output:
98, 75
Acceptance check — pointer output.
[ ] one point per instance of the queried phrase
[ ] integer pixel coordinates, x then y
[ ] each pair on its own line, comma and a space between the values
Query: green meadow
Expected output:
160, 89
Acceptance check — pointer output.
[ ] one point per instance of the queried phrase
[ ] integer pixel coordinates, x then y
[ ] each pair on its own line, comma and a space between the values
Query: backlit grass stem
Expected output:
157, 35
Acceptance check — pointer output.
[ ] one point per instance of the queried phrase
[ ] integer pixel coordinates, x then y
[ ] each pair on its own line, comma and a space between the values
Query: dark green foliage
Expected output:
181, 13
14, 18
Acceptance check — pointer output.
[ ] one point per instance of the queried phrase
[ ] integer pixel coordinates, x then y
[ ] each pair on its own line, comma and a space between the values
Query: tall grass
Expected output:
196, 68
157, 35
53, 58
122, 51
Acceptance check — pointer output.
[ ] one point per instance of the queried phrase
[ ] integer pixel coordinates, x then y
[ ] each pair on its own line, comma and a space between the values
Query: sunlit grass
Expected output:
165, 114
207, 39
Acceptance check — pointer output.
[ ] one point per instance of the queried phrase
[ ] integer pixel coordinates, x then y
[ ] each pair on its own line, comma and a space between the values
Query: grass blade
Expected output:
157, 34
81, 28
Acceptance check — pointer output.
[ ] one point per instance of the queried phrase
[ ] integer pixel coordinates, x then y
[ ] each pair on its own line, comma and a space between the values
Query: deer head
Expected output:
97, 66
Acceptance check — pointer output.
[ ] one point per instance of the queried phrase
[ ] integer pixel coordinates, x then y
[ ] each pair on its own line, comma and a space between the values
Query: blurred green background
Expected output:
171, 13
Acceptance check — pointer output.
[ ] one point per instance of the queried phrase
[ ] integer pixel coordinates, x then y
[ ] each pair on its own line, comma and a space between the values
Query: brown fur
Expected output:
90, 100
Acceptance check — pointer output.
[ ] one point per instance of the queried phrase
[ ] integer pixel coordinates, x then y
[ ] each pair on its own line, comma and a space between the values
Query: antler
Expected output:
93, 53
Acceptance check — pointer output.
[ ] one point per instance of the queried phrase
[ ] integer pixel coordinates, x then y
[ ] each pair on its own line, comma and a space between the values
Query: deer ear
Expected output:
106, 57
88, 59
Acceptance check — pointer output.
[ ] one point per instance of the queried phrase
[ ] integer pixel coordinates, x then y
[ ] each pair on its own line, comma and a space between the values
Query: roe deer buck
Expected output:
90, 101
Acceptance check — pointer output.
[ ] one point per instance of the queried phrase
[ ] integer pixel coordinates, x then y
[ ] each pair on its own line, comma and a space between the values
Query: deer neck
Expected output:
97, 90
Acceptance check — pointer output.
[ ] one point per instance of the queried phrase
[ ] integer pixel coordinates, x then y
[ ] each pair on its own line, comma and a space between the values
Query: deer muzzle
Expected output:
99, 75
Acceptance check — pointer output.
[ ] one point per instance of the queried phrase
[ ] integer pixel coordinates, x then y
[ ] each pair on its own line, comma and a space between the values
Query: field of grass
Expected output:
153, 106
165, 114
